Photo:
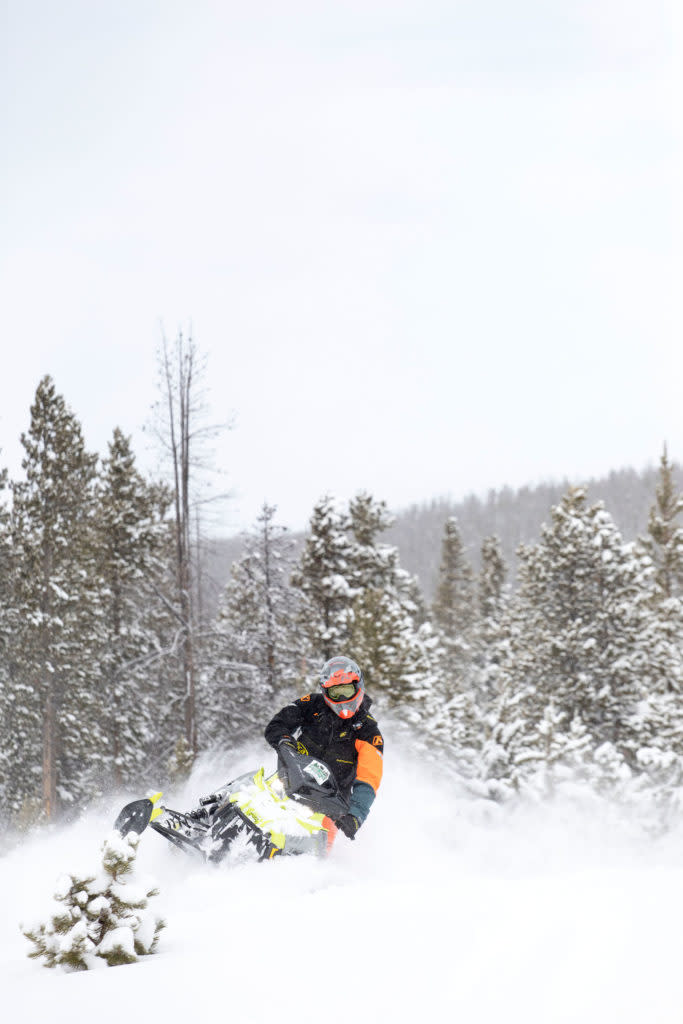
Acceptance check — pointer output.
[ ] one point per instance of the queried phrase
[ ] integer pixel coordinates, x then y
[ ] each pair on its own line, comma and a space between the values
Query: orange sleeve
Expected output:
370, 764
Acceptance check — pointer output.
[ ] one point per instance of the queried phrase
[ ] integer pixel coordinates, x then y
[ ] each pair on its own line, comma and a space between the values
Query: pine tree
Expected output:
259, 604
164, 667
491, 581
470, 665
395, 656
526, 740
666, 533
20, 736
387, 637
255, 659
371, 564
453, 711
7, 628
491, 603
665, 546
100, 917
660, 758
131, 534
508, 728
453, 609
59, 611
323, 579
569, 582
580, 636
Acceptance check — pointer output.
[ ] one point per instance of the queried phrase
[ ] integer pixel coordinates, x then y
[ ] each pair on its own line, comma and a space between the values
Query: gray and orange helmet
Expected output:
341, 682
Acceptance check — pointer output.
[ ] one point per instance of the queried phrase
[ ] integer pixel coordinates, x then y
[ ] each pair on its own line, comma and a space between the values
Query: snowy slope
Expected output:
483, 914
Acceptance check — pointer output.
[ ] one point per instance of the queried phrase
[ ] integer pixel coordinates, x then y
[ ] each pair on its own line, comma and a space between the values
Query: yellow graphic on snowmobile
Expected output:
270, 802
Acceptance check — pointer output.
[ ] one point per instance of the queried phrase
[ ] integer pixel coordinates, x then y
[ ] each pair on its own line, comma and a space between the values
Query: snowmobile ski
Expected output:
136, 816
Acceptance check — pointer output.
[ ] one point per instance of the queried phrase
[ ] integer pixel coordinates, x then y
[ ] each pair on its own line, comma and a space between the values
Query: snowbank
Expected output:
443, 905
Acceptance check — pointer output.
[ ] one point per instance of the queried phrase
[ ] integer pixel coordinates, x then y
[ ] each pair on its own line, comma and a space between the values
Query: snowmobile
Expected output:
290, 812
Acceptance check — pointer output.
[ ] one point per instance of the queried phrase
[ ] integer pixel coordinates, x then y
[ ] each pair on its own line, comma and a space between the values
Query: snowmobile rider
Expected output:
336, 726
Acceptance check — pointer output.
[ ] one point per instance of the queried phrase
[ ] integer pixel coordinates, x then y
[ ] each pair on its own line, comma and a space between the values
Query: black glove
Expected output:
211, 801
202, 814
349, 824
207, 806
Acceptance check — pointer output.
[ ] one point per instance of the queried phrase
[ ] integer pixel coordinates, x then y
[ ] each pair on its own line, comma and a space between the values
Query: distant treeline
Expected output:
515, 516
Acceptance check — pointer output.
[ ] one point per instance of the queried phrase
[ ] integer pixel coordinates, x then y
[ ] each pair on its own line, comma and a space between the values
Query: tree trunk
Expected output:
49, 754
179, 413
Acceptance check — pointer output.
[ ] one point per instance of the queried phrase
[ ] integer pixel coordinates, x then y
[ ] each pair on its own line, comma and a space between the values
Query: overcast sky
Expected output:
428, 247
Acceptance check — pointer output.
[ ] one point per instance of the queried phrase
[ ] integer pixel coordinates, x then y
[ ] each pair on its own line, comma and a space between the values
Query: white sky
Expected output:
427, 246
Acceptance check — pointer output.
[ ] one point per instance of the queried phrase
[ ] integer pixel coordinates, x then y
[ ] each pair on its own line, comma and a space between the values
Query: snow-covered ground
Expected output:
443, 906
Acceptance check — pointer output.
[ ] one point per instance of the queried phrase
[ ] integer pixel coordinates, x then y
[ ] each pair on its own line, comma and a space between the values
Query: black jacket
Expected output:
352, 747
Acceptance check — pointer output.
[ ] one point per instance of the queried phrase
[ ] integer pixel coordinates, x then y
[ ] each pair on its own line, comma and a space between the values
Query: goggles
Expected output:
341, 691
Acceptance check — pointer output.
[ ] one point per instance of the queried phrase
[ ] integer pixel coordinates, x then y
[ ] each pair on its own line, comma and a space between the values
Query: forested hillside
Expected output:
519, 667
515, 516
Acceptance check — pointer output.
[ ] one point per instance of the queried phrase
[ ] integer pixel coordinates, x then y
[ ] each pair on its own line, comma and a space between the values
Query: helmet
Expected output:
341, 682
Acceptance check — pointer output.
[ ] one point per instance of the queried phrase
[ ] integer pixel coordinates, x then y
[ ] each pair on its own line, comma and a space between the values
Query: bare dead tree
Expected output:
183, 433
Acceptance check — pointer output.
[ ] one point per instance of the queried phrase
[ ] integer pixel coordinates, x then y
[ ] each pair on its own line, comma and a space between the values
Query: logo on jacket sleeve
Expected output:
377, 741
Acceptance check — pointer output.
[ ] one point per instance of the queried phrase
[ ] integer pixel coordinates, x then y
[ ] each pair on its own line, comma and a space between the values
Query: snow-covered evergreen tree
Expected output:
491, 582
454, 606
323, 579
452, 709
357, 600
394, 654
469, 663
389, 636
59, 613
165, 670
665, 541
100, 920
665, 545
660, 758
255, 658
491, 596
371, 563
8, 695
589, 594
131, 534
581, 637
